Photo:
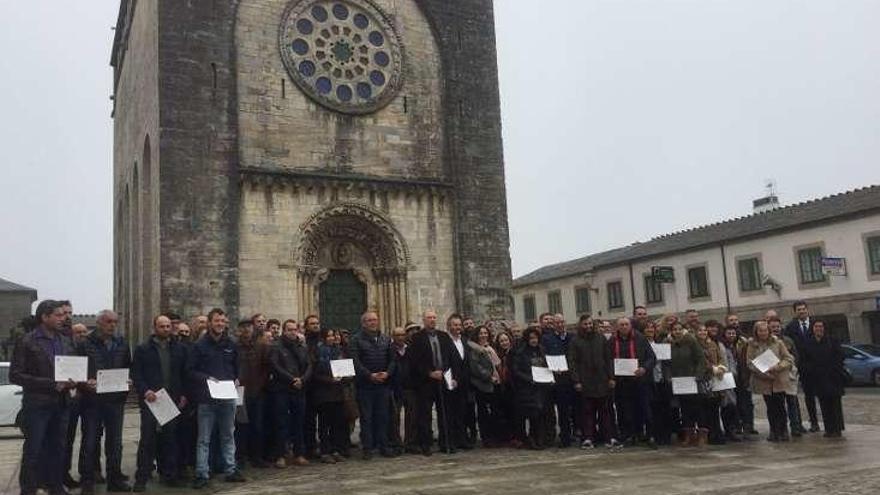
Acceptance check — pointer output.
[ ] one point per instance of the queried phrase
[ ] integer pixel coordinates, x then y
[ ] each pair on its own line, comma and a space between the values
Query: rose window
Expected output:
344, 54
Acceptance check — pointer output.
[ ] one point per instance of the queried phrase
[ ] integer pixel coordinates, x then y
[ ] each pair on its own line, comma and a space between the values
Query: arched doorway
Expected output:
343, 299
352, 258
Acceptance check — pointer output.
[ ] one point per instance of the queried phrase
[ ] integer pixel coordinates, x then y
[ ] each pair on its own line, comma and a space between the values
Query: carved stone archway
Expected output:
352, 236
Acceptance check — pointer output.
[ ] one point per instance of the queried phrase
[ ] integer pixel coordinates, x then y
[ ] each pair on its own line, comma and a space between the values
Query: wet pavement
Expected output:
811, 465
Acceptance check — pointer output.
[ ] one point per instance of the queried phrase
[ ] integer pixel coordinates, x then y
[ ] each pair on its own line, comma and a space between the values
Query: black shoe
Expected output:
426, 451
199, 483
367, 455
389, 453
139, 487
100, 479
466, 446
796, 433
69, 482
87, 489
814, 428
118, 487
235, 477
753, 431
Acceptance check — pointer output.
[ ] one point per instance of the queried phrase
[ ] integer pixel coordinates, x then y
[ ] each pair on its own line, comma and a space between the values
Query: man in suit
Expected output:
431, 355
159, 363
799, 330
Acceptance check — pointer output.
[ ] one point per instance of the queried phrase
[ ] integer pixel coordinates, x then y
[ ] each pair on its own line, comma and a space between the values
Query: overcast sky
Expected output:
623, 119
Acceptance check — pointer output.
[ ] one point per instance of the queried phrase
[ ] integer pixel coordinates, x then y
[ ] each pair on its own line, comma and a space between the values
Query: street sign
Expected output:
663, 274
833, 266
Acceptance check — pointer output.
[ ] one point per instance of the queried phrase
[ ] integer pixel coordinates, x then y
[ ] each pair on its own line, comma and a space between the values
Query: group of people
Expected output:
481, 385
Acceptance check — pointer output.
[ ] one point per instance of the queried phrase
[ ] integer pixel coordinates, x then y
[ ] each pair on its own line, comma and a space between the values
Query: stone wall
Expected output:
135, 165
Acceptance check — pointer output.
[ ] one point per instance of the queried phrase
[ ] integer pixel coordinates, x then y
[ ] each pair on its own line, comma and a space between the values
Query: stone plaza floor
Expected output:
808, 466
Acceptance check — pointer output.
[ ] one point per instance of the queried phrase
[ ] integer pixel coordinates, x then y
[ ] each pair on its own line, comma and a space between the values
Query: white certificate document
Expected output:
342, 368
222, 389
74, 368
447, 378
663, 352
163, 408
684, 385
726, 382
557, 363
112, 380
625, 367
542, 375
765, 361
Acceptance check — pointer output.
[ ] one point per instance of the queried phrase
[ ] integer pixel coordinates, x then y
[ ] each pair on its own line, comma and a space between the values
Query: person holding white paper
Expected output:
556, 343
716, 364
531, 398
631, 392
159, 363
329, 397
661, 389
105, 350
214, 357
45, 403
773, 383
687, 361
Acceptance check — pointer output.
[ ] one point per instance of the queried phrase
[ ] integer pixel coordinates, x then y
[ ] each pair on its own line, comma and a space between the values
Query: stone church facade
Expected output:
308, 156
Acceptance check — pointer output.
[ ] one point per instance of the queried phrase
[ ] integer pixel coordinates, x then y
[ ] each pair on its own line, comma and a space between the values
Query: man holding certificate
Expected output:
556, 348
45, 401
159, 364
592, 375
633, 366
105, 351
214, 357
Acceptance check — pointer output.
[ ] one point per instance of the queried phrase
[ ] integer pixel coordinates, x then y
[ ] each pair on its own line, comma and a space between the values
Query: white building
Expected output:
745, 265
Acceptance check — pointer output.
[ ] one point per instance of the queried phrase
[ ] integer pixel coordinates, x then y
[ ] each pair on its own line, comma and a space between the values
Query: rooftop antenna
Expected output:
770, 201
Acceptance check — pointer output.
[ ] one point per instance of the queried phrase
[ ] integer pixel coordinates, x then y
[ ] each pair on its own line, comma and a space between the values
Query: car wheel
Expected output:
875, 378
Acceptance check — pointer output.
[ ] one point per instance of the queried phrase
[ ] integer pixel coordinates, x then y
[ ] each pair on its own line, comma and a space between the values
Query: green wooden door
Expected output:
343, 299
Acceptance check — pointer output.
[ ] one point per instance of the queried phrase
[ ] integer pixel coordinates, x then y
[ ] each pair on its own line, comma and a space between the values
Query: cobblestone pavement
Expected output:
812, 465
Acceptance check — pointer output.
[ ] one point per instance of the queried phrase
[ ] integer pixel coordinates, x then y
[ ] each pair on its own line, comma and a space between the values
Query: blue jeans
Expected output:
374, 403
95, 415
290, 413
43, 453
219, 414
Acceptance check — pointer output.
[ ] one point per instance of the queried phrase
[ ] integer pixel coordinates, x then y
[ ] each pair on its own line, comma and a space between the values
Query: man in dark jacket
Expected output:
592, 376
632, 393
456, 396
254, 375
159, 363
291, 372
430, 356
215, 358
799, 331
106, 351
311, 332
556, 344
403, 395
374, 365
44, 402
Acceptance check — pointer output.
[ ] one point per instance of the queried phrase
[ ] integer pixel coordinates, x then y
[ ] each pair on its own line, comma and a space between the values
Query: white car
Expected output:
10, 398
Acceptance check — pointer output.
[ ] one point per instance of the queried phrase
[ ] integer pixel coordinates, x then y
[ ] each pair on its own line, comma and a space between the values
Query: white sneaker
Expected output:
587, 444
614, 444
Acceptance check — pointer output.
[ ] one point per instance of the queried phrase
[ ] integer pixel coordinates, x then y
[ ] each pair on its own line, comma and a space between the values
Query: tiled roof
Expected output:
850, 203
7, 286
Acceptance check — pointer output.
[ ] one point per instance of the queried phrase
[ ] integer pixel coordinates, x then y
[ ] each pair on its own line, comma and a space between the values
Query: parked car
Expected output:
10, 398
863, 363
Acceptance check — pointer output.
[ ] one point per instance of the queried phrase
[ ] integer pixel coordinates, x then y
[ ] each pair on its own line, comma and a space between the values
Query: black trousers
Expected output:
745, 407
689, 407
310, 426
776, 414
810, 400
428, 397
661, 411
332, 427
96, 414
832, 414
710, 412
564, 399
157, 443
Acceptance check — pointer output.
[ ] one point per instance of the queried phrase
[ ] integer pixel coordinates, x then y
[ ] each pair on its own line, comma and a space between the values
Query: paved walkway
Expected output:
810, 466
